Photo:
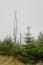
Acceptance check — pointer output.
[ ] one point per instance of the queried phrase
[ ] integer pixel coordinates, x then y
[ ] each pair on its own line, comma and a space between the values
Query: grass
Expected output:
40, 63
4, 60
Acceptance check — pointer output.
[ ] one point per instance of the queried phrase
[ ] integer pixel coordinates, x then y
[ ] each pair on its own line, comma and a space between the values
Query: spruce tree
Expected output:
28, 38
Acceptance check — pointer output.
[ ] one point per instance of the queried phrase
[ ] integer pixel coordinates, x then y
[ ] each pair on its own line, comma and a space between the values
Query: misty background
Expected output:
29, 13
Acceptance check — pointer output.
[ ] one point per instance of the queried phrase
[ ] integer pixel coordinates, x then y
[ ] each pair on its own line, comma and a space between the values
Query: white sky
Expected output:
29, 13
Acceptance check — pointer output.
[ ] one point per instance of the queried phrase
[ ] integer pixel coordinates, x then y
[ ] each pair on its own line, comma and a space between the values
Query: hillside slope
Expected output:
4, 60
9, 61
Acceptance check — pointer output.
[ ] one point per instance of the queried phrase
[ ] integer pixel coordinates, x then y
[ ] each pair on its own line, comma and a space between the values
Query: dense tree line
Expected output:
30, 52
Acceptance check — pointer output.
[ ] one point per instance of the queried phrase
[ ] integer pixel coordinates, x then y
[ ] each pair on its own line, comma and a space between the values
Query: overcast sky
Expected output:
29, 13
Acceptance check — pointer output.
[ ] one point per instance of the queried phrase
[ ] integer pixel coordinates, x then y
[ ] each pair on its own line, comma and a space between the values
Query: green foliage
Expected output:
23, 59
30, 52
5, 46
40, 45
28, 38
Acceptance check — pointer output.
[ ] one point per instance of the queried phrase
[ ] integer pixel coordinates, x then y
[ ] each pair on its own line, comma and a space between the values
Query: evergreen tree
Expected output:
40, 45
28, 38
